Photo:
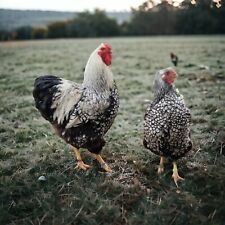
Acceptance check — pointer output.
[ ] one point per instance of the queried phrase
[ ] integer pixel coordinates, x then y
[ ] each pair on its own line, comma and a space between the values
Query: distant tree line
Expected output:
204, 17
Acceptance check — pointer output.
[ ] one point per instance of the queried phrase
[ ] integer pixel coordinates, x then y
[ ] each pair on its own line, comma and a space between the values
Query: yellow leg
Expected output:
161, 166
102, 163
80, 163
175, 175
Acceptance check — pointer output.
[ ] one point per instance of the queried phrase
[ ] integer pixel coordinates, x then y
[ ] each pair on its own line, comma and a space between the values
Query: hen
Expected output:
81, 113
167, 122
174, 58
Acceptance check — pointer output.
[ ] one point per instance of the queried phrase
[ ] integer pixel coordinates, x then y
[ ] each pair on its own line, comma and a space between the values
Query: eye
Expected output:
167, 73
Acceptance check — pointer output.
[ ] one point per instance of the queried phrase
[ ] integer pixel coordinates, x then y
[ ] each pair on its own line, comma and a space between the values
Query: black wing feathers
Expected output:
44, 89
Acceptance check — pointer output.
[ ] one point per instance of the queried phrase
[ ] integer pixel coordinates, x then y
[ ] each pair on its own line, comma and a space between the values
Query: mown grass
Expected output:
134, 194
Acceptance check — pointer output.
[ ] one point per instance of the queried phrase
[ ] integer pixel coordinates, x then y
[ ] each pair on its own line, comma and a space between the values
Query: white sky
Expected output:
71, 5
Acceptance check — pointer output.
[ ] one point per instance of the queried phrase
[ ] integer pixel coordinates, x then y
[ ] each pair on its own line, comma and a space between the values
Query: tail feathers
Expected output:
44, 89
45, 82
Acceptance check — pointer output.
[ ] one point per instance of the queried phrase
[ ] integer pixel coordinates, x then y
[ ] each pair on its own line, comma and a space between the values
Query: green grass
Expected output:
134, 194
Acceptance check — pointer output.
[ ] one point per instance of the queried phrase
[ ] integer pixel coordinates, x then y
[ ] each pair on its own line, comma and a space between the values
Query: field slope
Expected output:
134, 194
13, 19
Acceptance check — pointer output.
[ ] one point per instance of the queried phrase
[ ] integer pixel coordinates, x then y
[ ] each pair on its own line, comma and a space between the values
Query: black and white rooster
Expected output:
81, 113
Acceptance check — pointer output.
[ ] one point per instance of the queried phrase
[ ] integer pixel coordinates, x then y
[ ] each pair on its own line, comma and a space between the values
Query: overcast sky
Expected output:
71, 5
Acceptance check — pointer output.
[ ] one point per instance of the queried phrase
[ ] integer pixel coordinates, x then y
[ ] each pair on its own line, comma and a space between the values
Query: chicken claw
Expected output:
106, 168
160, 170
82, 165
161, 166
103, 163
175, 175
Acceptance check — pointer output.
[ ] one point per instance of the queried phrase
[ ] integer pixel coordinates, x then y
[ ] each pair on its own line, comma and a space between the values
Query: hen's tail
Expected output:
44, 89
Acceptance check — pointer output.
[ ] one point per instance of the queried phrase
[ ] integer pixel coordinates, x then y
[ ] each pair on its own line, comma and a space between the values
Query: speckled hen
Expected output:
81, 113
167, 122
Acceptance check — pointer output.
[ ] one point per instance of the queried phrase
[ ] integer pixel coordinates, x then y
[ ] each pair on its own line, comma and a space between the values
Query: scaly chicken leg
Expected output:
175, 175
161, 166
80, 163
102, 163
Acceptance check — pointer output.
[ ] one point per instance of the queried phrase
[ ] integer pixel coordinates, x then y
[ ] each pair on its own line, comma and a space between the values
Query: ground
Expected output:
134, 193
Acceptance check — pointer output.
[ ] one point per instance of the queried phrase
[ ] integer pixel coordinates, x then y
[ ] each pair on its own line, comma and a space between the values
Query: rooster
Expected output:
174, 58
167, 122
81, 114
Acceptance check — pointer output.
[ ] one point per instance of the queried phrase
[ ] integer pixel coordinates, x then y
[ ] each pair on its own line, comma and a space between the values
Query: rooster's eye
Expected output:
167, 73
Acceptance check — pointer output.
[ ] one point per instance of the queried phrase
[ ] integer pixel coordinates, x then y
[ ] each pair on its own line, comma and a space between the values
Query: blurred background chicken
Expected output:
174, 59
81, 113
167, 122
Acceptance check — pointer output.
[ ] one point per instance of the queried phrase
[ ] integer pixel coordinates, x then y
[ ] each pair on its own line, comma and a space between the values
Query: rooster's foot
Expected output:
103, 163
106, 167
82, 165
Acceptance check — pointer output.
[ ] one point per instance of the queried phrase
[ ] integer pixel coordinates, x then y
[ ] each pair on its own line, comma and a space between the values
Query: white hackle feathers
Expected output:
67, 95
97, 74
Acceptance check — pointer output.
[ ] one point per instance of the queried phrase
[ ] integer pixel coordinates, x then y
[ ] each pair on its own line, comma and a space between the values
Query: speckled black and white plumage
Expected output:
80, 113
167, 121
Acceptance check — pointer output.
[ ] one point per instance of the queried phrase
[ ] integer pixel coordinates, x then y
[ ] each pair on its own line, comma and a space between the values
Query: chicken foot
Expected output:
80, 163
102, 163
161, 166
175, 175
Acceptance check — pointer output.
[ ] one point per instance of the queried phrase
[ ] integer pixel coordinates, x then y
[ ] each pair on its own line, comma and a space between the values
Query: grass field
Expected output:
134, 194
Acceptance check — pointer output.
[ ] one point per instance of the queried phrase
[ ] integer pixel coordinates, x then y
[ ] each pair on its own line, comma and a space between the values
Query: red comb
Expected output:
107, 45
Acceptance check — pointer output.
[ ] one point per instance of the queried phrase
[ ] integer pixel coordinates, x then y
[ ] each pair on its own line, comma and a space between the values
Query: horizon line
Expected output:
57, 10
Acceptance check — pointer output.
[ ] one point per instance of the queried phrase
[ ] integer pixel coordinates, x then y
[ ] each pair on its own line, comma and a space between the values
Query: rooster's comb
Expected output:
105, 45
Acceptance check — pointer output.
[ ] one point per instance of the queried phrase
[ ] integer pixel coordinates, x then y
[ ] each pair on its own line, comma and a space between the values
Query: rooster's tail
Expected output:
44, 89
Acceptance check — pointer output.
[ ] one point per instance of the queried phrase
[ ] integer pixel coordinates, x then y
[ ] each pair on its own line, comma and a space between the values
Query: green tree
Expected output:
202, 18
71, 29
154, 19
23, 33
104, 26
83, 25
57, 30
5, 35
97, 24
39, 33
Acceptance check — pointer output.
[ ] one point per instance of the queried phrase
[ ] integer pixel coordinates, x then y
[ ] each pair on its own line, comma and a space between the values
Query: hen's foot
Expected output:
161, 166
160, 170
175, 175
